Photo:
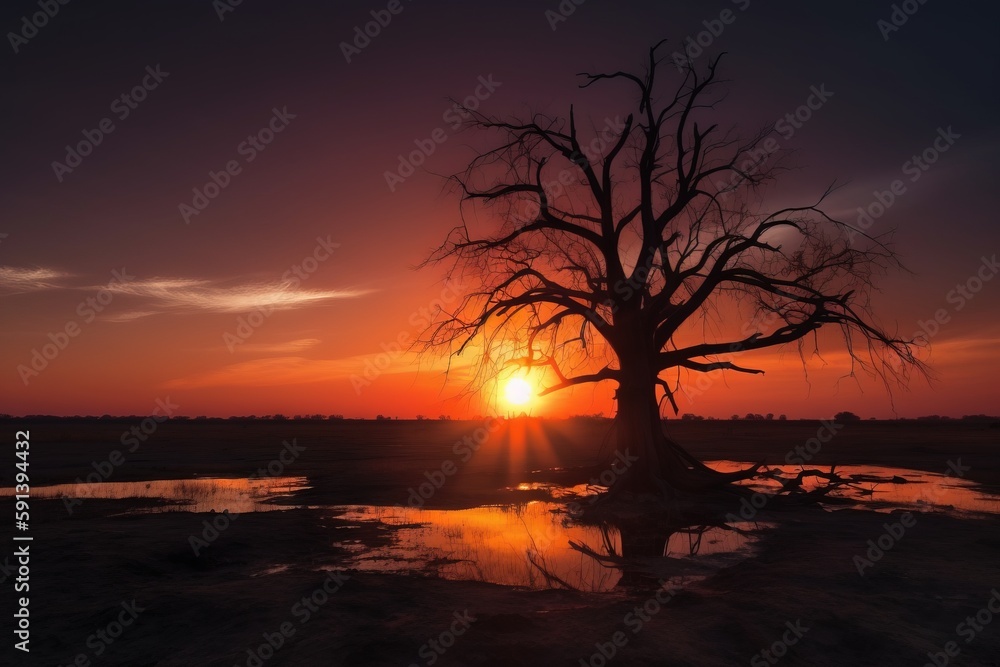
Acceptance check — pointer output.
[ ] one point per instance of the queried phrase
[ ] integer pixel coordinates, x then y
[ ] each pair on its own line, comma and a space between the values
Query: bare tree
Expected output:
625, 255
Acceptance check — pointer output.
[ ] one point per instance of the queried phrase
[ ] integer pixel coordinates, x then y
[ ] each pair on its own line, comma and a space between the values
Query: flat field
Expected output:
220, 606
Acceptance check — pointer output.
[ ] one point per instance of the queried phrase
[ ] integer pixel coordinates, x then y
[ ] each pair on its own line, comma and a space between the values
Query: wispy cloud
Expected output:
963, 349
287, 347
184, 294
179, 295
17, 279
128, 316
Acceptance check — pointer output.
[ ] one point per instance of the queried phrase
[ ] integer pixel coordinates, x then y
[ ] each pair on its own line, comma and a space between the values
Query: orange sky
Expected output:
294, 363
309, 231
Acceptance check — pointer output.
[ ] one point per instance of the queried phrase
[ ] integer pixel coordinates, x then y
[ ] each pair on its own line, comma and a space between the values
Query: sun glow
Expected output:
518, 391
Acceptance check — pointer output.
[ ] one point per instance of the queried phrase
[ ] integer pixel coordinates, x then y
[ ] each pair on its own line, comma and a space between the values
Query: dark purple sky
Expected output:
324, 176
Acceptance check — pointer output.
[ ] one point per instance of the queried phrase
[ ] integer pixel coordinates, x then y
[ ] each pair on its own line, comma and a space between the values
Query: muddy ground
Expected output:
211, 608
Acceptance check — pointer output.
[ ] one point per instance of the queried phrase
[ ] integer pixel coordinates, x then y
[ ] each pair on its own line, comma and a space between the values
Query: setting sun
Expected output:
518, 391
507, 346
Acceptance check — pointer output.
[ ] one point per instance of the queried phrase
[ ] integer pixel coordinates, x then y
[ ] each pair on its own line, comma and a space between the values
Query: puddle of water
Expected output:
204, 494
710, 541
526, 545
558, 491
877, 488
886, 489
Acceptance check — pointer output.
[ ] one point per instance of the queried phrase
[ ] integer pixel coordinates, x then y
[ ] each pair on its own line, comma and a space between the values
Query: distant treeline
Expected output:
750, 416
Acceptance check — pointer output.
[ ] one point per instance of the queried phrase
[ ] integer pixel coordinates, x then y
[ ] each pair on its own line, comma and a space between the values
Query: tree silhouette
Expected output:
614, 250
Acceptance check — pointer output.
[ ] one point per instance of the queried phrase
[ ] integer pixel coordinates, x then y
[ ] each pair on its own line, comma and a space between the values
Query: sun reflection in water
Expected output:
526, 545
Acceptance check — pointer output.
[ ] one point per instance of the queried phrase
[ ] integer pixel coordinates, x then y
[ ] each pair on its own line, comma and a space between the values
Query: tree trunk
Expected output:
663, 466
639, 433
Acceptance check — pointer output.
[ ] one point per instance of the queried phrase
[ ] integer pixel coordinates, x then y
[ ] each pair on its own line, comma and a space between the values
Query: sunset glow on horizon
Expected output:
293, 289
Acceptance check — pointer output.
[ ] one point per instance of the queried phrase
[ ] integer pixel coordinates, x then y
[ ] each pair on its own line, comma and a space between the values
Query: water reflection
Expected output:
885, 489
204, 494
536, 545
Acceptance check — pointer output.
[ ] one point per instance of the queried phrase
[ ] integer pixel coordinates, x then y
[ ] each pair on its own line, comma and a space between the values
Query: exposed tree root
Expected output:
677, 472
691, 498
702, 487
